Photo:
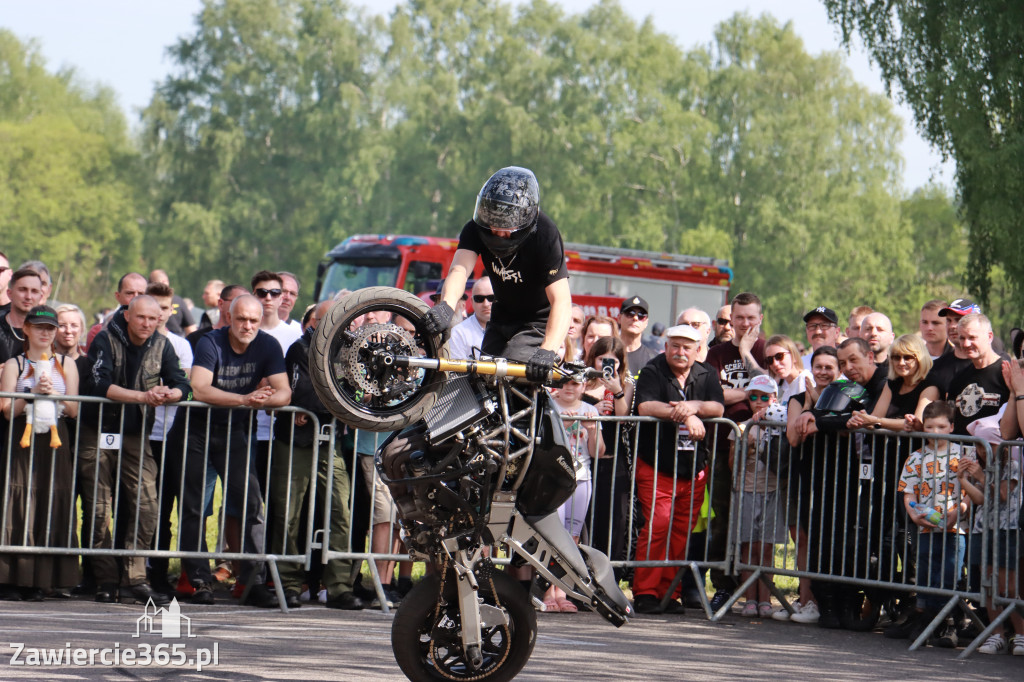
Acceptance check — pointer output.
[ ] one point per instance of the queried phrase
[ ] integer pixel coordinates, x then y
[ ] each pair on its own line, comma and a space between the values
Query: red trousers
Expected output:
667, 529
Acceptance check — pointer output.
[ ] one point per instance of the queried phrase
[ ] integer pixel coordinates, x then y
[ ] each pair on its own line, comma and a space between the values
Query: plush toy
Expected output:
41, 415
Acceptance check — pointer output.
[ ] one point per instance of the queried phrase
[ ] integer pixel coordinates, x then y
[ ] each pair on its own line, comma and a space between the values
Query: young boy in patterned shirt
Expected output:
929, 481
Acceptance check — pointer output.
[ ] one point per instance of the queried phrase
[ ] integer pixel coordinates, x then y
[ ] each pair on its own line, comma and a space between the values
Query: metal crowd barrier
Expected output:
847, 525
839, 493
125, 498
1000, 561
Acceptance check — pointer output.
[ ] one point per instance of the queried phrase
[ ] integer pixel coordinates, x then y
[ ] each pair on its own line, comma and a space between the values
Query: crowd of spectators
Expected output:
247, 350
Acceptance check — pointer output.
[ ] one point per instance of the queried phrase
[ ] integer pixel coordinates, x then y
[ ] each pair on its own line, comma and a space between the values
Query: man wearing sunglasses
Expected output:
524, 258
633, 319
468, 335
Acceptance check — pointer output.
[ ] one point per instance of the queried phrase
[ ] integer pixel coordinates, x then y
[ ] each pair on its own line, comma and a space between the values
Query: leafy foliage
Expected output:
957, 64
288, 125
66, 197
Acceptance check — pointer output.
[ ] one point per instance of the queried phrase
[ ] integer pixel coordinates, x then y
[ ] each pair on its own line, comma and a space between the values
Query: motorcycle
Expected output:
478, 459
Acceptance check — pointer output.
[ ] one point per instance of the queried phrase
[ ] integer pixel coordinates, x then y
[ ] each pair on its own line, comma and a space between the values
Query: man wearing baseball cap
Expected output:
947, 365
822, 326
633, 318
671, 468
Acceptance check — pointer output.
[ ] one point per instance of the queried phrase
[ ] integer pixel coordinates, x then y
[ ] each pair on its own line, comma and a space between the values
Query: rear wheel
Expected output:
428, 644
348, 360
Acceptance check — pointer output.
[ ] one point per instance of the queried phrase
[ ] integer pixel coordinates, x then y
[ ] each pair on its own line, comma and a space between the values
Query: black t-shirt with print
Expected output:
977, 393
519, 281
944, 368
725, 358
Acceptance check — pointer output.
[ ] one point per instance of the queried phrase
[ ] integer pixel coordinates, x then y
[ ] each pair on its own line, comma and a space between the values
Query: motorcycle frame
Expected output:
542, 541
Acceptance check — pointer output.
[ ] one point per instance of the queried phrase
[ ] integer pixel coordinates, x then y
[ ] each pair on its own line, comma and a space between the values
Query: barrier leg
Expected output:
278, 587
943, 614
985, 634
755, 575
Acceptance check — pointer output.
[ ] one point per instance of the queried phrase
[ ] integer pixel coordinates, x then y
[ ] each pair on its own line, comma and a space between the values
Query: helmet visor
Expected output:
492, 214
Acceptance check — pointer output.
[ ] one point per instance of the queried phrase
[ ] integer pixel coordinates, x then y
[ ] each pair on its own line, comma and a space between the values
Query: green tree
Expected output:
957, 64
806, 158
66, 167
262, 142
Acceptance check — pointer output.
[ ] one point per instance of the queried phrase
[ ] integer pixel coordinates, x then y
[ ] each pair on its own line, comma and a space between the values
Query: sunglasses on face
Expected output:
904, 358
722, 322
264, 293
754, 398
778, 357
636, 314
480, 298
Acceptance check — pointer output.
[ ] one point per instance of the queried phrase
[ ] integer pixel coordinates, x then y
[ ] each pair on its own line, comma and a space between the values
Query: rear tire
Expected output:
340, 361
505, 652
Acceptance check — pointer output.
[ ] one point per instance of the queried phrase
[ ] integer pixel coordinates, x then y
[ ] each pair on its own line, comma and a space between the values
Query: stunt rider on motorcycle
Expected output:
523, 254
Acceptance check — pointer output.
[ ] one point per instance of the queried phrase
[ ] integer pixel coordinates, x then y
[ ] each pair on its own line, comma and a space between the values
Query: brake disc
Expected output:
363, 359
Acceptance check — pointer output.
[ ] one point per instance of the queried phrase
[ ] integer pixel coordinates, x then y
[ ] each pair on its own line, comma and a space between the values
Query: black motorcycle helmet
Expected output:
841, 397
509, 200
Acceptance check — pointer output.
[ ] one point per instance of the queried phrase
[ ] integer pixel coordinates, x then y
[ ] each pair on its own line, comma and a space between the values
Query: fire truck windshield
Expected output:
356, 273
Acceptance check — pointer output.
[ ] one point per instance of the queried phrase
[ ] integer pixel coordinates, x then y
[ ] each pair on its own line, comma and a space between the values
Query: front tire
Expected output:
505, 650
343, 360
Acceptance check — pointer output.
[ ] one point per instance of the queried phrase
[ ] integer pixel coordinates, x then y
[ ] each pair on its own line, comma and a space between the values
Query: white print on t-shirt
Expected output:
735, 375
506, 274
973, 398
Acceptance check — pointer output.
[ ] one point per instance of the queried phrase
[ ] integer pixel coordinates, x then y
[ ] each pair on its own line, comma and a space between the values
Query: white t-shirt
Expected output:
466, 336
578, 437
286, 335
788, 389
165, 415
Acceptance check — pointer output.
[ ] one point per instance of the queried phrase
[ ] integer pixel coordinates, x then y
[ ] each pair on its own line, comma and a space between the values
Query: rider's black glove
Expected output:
540, 365
438, 318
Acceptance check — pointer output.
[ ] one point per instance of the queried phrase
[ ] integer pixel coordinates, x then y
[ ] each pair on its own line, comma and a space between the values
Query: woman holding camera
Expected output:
612, 395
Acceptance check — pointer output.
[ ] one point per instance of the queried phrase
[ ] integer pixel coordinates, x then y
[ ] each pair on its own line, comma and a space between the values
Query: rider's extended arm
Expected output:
561, 314
458, 274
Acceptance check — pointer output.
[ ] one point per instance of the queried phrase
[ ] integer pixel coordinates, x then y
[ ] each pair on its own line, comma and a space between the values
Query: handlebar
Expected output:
499, 367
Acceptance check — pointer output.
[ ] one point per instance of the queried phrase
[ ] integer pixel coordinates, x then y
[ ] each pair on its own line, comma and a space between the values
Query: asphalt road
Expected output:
314, 643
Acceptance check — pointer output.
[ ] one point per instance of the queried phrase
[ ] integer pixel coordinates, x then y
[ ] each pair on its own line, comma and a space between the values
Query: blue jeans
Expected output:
940, 559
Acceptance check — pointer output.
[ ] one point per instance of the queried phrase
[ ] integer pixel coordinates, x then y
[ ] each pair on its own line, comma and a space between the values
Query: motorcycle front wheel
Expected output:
349, 360
427, 643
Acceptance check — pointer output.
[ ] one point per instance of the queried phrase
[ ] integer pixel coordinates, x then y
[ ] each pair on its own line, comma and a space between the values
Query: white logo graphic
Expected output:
165, 622
507, 274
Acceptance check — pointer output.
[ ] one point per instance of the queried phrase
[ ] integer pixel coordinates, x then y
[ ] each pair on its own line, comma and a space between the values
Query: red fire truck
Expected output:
600, 277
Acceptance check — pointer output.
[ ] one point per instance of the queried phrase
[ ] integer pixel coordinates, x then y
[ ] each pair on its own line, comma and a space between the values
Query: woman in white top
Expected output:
782, 358
39, 500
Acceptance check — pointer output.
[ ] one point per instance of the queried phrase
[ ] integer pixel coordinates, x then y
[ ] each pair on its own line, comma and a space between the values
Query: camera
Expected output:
608, 367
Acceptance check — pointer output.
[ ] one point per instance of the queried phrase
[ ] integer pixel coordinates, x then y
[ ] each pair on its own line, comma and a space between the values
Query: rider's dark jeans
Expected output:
515, 341
228, 452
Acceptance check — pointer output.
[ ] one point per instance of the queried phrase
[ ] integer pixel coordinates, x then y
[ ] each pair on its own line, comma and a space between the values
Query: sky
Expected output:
94, 37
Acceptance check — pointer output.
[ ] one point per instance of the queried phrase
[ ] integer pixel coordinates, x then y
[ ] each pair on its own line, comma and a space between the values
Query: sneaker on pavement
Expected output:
808, 613
946, 636
782, 614
996, 644
646, 603
1018, 645
718, 601
749, 609
764, 609
203, 593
